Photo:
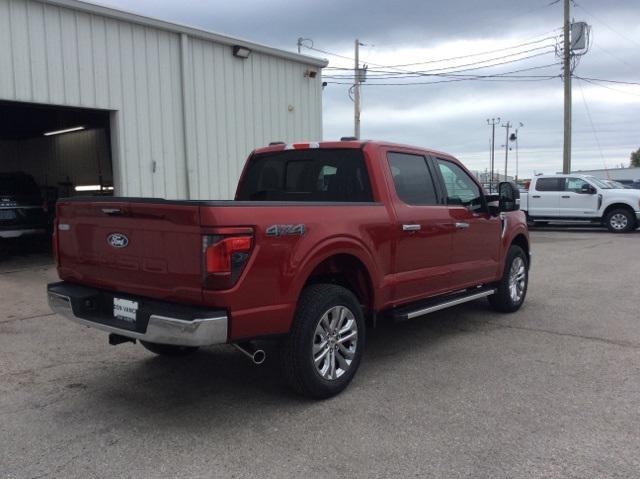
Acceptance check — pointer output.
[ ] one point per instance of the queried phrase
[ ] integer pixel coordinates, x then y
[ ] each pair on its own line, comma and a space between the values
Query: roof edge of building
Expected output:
124, 15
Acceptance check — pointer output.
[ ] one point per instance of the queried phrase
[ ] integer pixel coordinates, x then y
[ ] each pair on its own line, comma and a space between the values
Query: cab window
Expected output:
461, 189
575, 185
334, 175
550, 184
412, 179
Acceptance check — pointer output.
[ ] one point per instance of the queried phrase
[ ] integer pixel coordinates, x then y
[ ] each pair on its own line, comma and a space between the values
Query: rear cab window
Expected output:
412, 178
550, 184
331, 175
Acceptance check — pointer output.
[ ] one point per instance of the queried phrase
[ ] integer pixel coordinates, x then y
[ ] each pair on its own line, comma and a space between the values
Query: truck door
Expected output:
579, 199
544, 198
476, 237
422, 229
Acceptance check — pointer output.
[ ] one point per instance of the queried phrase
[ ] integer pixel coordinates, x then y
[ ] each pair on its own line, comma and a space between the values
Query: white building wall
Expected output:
613, 173
186, 112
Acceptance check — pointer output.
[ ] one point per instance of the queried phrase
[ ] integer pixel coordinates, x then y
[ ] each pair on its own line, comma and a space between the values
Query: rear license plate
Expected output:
7, 215
125, 310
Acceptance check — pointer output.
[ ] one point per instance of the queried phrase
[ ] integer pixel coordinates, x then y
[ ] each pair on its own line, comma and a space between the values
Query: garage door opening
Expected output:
47, 153
66, 150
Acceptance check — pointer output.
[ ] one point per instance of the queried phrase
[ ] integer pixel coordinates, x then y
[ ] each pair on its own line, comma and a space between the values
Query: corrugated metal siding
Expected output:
55, 55
240, 104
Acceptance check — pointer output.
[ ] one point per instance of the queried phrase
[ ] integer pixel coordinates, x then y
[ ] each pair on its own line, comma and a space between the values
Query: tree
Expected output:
635, 159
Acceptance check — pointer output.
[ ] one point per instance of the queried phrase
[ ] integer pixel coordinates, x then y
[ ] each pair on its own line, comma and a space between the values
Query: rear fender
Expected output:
332, 247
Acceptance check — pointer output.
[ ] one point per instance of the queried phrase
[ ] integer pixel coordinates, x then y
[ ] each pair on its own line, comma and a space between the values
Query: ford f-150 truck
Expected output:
321, 239
581, 199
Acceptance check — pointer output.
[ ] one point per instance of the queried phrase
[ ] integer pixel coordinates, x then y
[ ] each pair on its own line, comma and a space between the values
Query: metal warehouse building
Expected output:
156, 109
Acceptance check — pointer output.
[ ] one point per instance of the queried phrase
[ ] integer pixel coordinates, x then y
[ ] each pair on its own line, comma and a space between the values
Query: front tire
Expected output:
620, 221
322, 352
512, 288
169, 350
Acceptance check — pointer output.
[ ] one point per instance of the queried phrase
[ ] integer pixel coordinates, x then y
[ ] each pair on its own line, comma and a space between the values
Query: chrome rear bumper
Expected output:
160, 329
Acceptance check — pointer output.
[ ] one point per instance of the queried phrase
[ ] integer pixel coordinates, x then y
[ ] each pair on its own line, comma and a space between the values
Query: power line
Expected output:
389, 69
608, 87
586, 107
440, 60
620, 82
613, 55
550, 77
607, 25
452, 75
434, 72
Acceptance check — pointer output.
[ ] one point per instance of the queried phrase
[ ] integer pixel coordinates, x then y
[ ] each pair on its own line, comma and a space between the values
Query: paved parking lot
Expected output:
550, 391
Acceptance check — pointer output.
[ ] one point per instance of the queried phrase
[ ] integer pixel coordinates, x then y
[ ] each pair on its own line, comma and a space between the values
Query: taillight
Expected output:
224, 258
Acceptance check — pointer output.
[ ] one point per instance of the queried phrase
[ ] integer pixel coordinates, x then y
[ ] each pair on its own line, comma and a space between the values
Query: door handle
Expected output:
535, 196
462, 226
566, 196
411, 227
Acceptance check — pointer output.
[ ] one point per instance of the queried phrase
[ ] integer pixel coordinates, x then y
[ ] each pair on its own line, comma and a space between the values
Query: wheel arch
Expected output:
523, 242
350, 266
617, 206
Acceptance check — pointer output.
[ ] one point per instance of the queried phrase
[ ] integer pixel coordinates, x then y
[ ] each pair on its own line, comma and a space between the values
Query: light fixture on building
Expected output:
310, 73
93, 188
241, 52
66, 130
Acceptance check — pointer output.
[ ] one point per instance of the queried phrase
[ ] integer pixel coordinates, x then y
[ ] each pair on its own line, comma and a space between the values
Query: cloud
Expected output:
452, 116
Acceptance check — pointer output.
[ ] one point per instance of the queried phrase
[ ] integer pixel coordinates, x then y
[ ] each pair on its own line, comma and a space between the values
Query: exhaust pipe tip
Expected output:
257, 356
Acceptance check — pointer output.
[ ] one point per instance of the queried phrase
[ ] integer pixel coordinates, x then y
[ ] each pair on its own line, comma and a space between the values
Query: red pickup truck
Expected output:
321, 239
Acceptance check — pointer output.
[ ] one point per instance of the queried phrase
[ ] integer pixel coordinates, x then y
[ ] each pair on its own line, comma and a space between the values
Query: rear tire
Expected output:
620, 221
512, 288
169, 350
322, 352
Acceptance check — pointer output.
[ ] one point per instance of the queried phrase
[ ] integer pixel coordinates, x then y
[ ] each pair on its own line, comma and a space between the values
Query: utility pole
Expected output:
356, 92
492, 123
566, 152
517, 136
506, 148
301, 44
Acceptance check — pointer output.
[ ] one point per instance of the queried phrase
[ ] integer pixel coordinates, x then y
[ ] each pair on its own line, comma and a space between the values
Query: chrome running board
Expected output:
414, 311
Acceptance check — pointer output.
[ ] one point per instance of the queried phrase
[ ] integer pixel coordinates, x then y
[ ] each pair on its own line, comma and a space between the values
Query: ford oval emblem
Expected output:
118, 240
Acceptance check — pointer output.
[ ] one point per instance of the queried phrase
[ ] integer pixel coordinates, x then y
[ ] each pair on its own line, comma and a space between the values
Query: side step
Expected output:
425, 307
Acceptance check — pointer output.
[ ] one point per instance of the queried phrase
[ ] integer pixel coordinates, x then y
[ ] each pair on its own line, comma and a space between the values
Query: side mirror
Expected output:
509, 197
587, 189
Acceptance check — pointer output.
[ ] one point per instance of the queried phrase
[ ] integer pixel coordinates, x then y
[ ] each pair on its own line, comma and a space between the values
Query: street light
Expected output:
514, 137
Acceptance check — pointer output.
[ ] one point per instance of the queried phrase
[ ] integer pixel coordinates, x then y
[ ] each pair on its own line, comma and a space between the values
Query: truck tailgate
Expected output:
150, 248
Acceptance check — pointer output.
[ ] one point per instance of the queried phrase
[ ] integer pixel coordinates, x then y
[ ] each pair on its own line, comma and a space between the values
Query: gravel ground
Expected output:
550, 391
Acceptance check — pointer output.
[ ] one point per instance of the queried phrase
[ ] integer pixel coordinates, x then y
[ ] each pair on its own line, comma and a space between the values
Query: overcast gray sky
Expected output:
452, 116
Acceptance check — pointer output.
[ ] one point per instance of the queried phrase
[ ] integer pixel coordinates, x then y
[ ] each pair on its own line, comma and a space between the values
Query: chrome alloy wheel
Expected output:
618, 221
517, 279
334, 342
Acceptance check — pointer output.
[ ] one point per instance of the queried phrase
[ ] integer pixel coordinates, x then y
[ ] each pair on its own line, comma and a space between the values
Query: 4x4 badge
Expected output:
285, 230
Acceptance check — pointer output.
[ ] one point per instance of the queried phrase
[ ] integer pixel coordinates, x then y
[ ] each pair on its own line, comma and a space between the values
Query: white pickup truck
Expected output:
581, 198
